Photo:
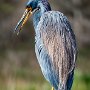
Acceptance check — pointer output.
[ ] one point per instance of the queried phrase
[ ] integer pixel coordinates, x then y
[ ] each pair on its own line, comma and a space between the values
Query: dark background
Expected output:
19, 69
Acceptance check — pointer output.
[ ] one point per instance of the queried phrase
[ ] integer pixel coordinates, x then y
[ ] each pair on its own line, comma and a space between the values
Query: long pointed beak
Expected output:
23, 20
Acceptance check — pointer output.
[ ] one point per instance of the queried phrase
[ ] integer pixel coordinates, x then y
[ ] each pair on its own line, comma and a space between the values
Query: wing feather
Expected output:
59, 42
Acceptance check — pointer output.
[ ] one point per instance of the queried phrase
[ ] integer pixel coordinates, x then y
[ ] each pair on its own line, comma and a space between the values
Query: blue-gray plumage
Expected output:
55, 43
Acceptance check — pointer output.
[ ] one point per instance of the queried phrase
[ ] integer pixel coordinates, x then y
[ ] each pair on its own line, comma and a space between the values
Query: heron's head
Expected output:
31, 7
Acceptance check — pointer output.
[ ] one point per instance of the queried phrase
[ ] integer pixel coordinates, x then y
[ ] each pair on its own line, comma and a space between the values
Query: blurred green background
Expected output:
19, 69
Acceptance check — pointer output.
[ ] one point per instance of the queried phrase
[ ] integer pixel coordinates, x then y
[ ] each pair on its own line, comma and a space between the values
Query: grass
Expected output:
81, 82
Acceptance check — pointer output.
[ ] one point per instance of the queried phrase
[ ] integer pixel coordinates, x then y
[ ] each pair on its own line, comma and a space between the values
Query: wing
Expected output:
59, 42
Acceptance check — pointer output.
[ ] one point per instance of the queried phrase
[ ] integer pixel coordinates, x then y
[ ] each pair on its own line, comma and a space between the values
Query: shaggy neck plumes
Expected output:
44, 7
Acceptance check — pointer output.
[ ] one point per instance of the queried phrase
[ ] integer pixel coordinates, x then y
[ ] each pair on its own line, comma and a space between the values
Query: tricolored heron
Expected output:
55, 43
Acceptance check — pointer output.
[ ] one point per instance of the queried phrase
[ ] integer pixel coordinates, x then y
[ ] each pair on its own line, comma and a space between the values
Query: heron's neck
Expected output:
44, 7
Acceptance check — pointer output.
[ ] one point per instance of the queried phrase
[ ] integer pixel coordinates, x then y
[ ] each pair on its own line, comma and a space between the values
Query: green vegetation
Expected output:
36, 82
81, 81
